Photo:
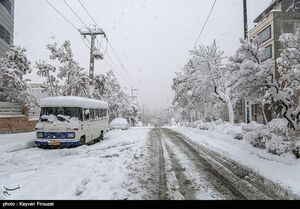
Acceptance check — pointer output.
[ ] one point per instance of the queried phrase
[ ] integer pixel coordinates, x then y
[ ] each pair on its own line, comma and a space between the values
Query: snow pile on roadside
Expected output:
217, 126
284, 169
104, 171
12, 142
275, 137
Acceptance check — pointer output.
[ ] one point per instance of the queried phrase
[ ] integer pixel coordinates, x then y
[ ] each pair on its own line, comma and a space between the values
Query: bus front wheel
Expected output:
82, 140
101, 136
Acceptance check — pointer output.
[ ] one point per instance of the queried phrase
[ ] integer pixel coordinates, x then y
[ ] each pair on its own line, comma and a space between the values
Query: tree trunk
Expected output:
230, 111
264, 114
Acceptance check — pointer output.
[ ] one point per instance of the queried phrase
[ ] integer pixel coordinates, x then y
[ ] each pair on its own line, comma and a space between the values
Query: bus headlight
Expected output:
40, 135
71, 135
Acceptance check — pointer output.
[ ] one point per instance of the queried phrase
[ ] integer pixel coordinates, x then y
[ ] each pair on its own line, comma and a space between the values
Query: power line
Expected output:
130, 81
114, 51
116, 67
62, 15
75, 13
202, 30
106, 48
206, 21
87, 46
113, 66
89, 14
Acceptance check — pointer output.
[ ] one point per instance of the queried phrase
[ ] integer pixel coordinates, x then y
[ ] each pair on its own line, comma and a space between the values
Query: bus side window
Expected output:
103, 113
86, 114
98, 114
92, 114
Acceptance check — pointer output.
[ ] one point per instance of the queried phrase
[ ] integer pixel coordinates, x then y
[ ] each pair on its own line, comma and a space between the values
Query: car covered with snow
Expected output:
68, 121
119, 123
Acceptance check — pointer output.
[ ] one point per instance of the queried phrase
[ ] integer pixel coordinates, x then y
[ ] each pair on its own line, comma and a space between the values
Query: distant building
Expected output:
6, 25
282, 16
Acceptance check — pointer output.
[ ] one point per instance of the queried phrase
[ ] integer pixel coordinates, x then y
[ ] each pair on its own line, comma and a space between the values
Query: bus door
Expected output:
87, 125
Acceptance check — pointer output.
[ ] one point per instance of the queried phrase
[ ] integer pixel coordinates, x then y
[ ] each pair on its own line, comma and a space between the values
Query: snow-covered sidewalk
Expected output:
107, 170
284, 170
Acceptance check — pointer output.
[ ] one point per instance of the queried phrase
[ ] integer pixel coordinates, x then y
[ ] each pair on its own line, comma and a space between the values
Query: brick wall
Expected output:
17, 124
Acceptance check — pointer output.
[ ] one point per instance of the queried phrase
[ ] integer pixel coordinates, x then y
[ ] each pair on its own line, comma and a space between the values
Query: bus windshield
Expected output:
61, 113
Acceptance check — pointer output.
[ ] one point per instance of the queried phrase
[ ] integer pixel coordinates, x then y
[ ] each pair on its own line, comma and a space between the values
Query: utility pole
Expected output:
245, 19
247, 103
93, 33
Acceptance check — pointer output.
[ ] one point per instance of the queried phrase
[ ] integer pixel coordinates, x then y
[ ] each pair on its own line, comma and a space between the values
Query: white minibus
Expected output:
68, 121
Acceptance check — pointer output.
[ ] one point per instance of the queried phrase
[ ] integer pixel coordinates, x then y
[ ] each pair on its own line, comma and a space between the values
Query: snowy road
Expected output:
141, 163
193, 172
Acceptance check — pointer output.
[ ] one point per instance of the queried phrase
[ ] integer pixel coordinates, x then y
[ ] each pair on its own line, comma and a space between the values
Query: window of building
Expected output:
4, 34
6, 4
267, 53
264, 35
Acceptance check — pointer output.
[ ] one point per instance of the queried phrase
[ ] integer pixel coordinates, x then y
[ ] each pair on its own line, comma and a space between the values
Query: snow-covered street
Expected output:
143, 163
107, 170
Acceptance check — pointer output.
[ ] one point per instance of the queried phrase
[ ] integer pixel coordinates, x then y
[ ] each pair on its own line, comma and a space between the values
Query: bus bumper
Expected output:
59, 143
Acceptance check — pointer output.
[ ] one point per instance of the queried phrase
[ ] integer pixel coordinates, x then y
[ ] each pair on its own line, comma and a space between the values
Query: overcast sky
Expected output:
151, 37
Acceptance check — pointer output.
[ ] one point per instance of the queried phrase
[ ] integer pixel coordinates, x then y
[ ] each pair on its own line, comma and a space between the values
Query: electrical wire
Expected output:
62, 15
206, 21
89, 14
130, 81
114, 51
75, 13
114, 67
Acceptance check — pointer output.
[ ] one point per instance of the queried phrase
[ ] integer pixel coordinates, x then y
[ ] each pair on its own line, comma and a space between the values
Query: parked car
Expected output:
119, 123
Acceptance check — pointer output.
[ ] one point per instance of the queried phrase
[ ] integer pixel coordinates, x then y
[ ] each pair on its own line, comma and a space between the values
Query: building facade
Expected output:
6, 25
282, 16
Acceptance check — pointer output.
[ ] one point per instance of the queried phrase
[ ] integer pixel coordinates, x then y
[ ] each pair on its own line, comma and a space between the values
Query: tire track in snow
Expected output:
162, 170
199, 179
236, 177
221, 184
185, 187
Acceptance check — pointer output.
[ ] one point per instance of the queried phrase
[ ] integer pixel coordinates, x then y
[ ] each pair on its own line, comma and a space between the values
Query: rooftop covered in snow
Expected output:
71, 101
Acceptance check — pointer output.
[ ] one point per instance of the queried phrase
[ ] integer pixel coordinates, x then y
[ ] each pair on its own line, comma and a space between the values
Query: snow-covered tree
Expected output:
51, 83
13, 88
107, 88
75, 81
251, 74
289, 81
211, 77
203, 86
183, 99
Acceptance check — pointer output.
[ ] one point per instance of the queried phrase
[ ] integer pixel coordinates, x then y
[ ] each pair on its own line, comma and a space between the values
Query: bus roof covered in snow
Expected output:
71, 101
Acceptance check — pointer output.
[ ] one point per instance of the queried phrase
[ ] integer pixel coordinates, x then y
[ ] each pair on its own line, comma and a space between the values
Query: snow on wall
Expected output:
71, 101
